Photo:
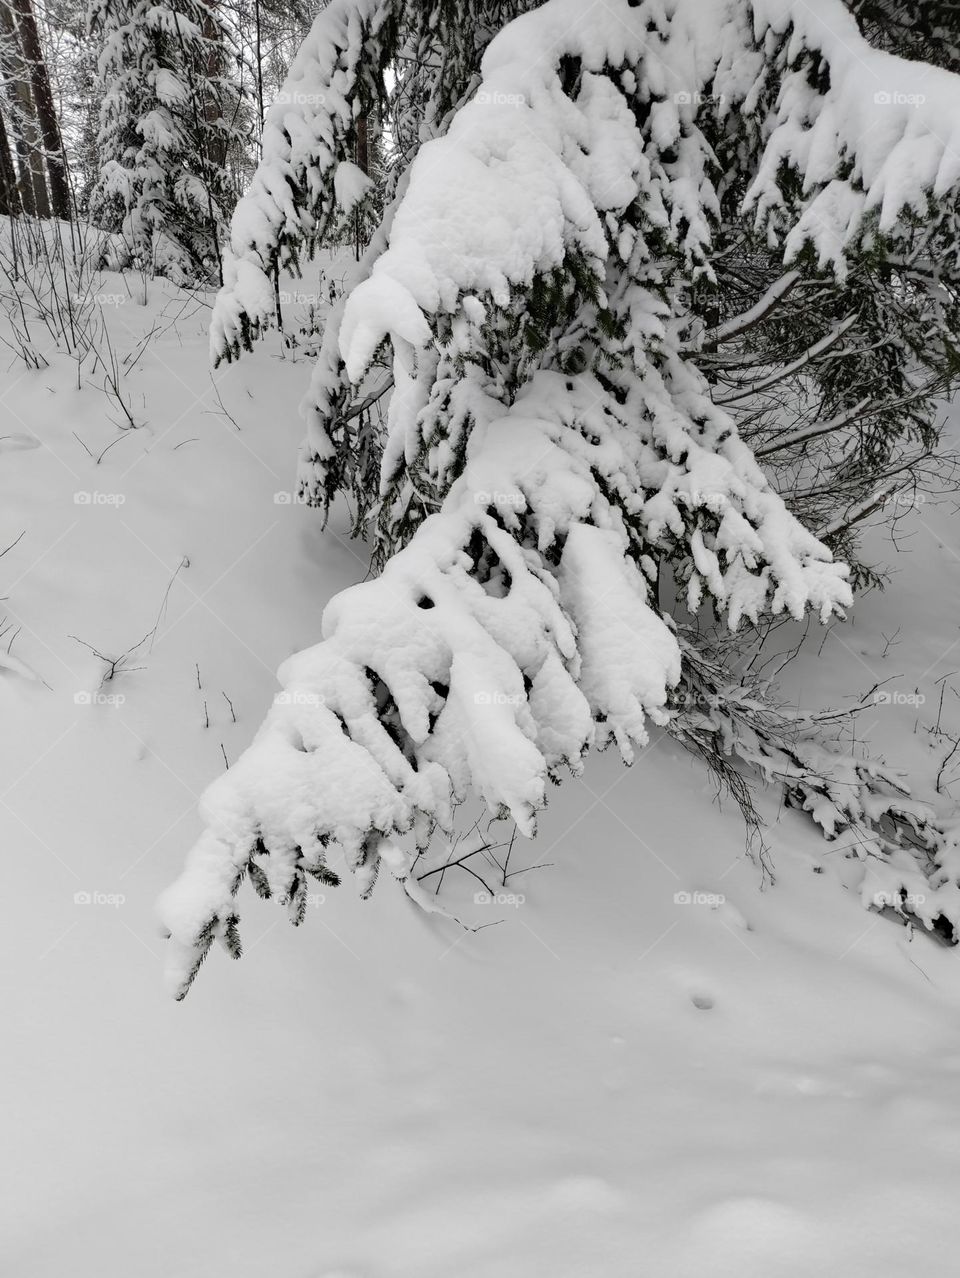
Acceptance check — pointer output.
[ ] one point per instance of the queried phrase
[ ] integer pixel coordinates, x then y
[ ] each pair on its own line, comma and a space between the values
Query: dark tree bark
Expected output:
23, 117
361, 153
9, 193
45, 109
212, 105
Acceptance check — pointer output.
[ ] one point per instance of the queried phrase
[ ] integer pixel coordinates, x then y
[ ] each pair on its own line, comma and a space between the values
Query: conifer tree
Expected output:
167, 119
562, 491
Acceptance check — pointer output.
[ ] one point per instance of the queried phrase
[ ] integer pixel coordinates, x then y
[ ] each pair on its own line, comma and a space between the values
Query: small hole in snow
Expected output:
425, 602
703, 1001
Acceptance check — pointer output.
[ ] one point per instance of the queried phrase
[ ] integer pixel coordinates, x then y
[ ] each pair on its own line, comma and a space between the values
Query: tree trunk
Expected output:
45, 109
361, 153
9, 194
213, 73
33, 185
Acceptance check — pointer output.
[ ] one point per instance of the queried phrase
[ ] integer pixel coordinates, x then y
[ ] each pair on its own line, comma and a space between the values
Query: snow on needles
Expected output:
444, 675
549, 438
305, 171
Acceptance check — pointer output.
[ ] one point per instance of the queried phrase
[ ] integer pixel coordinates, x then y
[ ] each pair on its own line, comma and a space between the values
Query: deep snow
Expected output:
608, 1083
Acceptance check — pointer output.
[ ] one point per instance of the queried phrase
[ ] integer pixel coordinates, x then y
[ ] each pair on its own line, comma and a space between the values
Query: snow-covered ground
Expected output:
612, 1082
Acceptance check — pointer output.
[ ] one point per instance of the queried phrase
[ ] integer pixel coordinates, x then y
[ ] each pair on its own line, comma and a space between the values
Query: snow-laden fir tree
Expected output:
167, 118
564, 494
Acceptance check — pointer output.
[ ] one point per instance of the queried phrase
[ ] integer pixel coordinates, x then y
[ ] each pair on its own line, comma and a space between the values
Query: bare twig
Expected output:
13, 543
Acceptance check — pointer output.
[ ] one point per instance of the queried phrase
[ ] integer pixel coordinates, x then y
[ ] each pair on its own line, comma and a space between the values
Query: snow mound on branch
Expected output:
350, 185
879, 138
517, 183
509, 636
529, 285
512, 192
389, 308
523, 175
889, 126
471, 663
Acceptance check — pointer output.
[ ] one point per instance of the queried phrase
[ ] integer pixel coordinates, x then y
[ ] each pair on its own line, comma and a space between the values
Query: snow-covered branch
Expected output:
737, 325
811, 354
528, 286
307, 170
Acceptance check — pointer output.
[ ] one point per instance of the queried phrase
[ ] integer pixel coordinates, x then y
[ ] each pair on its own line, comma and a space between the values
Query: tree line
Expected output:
143, 119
